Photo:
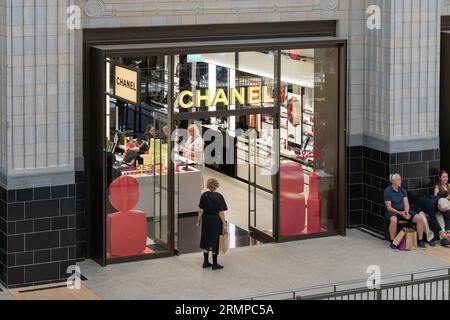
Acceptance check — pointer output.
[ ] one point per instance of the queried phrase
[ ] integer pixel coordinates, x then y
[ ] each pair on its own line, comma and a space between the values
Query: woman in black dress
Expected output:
211, 216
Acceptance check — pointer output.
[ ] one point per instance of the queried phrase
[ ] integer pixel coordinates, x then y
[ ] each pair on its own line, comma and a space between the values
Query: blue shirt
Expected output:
396, 197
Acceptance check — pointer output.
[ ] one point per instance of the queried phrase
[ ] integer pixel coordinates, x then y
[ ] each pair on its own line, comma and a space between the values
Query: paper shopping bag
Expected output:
411, 240
398, 239
223, 244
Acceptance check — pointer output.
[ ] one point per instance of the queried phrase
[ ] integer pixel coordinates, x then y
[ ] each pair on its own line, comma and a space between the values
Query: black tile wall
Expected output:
38, 233
355, 180
3, 235
80, 220
368, 176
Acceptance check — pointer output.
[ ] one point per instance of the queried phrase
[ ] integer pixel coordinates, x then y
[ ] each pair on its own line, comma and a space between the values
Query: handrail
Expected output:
343, 283
376, 291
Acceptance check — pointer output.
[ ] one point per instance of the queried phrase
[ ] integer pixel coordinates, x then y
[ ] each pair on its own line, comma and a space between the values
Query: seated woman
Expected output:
442, 190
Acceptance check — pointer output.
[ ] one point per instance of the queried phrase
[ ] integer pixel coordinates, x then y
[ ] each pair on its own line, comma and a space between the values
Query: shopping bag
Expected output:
402, 246
223, 244
411, 239
400, 237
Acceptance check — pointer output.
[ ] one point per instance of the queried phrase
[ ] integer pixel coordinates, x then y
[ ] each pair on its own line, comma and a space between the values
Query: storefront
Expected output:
444, 113
275, 99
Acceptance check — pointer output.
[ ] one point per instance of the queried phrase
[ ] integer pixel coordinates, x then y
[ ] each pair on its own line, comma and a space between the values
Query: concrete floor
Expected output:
254, 270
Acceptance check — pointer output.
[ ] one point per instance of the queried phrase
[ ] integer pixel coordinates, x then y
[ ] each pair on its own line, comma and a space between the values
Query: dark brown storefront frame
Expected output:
100, 43
445, 23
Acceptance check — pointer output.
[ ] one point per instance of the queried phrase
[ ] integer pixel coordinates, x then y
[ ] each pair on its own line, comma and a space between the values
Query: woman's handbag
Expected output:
411, 239
398, 239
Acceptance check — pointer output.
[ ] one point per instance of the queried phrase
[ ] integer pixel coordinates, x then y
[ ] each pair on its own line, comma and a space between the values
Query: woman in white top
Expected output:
194, 147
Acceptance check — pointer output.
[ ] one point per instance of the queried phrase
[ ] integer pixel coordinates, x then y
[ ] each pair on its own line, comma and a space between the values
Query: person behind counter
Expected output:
132, 155
211, 217
150, 133
165, 135
193, 149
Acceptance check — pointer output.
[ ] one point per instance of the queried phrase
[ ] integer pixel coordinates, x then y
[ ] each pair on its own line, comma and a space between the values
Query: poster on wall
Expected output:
294, 110
126, 84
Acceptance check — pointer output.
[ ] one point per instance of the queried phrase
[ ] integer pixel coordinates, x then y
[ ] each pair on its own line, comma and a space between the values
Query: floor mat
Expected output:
438, 252
57, 291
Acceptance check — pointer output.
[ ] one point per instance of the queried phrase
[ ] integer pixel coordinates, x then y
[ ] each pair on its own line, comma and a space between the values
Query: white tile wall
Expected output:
40, 77
393, 72
3, 87
404, 55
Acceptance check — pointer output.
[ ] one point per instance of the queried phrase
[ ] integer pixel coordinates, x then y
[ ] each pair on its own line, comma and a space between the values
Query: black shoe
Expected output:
217, 267
207, 265
432, 243
394, 247
445, 243
421, 245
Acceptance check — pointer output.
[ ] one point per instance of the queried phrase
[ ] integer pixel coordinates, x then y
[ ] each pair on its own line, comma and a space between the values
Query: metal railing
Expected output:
430, 284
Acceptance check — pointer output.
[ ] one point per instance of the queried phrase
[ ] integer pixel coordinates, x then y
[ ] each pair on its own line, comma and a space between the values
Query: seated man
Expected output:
397, 205
431, 206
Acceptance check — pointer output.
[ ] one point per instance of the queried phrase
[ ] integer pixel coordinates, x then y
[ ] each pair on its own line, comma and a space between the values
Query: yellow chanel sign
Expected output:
126, 84
244, 95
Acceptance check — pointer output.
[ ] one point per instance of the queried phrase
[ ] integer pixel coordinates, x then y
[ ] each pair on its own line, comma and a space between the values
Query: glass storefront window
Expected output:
137, 154
224, 81
309, 141
238, 89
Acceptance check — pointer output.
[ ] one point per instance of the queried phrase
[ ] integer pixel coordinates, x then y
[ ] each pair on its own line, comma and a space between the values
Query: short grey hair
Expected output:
394, 176
212, 184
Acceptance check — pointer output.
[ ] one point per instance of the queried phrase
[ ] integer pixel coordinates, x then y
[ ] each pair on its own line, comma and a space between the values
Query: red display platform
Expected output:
146, 251
292, 199
299, 216
127, 228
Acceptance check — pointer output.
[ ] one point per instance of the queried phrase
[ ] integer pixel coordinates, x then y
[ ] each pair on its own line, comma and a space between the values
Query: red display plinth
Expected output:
127, 228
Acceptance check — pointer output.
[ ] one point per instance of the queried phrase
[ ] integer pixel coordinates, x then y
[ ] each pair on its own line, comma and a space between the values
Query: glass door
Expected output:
136, 149
260, 144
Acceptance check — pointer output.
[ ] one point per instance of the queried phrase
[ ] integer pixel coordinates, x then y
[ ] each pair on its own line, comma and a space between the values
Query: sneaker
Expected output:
207, 265
394, 247
217, 267
432, 243
445, 243
421, 245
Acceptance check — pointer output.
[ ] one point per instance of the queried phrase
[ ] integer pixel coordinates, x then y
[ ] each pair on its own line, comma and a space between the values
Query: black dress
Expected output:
212, 204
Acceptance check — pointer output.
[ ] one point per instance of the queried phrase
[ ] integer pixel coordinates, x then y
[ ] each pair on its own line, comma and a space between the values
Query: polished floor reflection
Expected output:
189, 233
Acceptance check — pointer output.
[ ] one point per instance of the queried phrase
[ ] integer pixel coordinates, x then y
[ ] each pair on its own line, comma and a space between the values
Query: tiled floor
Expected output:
439, 252
254, 270
57, 291
190, 236
5, 295
248, 271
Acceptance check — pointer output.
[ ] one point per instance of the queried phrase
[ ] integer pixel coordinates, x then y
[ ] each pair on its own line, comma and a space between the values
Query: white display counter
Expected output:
154, 186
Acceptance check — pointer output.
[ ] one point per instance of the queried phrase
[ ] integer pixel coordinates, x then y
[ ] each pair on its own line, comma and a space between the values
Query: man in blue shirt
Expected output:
398, 208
